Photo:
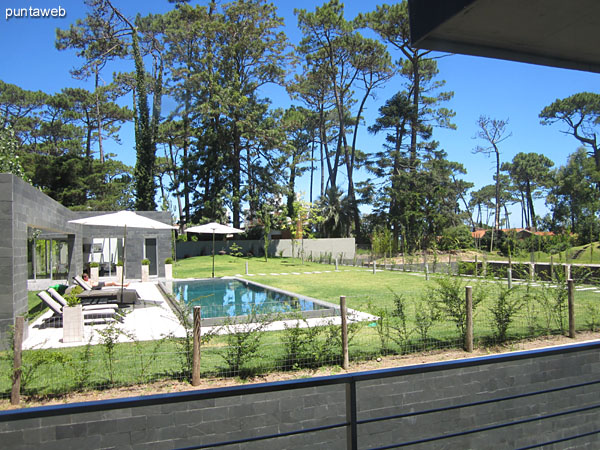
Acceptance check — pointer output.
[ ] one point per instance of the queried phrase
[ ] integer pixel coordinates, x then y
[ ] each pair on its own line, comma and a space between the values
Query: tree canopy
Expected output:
194, 84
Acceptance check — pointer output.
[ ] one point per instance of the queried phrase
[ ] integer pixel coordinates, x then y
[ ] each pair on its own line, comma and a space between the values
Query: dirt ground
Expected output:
381, 363
440, 257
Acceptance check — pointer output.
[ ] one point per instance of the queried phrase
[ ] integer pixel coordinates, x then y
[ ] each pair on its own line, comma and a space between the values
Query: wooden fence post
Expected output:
343, 312
571, 288
15, 395
476, 263
196, 348
469, 324
531, 271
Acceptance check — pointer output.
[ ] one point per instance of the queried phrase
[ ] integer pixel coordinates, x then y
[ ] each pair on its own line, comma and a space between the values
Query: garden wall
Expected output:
502, 401
336, 247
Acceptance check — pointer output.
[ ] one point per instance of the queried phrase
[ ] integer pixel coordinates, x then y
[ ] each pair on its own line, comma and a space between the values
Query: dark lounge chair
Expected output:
86, 307
117, 294
96, 315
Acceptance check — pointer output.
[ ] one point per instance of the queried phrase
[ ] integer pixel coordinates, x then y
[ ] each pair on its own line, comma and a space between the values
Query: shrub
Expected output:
300, 343
381, 241
449, 294
243, 342
235, 250
426, 315
169, 261
593, 317
145, 262
72, 299
503, 310
455, 238
398, 323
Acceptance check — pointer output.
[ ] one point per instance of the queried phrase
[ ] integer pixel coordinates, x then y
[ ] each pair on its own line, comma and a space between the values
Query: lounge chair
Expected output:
116, 293
84, 284
106, 315
129, 296
61, 300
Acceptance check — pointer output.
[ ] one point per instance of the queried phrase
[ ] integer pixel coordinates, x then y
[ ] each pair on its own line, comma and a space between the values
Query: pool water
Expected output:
230, 298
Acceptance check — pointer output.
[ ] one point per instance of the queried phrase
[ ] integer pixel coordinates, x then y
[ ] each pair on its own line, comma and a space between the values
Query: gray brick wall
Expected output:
23, 206
342, 247
228, 414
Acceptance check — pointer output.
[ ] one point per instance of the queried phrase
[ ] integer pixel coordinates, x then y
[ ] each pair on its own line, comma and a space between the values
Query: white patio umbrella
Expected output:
214, 228
124, 219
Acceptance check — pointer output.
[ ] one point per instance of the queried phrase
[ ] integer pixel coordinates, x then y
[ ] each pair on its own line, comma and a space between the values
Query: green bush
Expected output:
455, 238
72, 299
449, 294
235, 250
503, 310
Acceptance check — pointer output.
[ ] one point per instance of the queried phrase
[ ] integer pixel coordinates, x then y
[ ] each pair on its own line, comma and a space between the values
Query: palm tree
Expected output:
336, 212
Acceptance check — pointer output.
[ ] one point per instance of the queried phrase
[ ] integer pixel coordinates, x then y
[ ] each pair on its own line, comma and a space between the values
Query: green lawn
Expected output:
582, 254
71, 369
226, 265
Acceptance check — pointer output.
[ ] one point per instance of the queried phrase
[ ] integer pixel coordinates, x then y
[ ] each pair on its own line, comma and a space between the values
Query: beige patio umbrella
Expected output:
214, 228
123, 219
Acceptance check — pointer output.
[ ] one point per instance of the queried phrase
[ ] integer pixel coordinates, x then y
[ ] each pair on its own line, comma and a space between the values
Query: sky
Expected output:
506, 90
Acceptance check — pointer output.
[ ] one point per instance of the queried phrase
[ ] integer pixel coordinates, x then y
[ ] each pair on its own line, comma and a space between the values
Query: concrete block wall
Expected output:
497, 378
7, 294
134, 253
342, 247
195, 422
23, 206
514, 400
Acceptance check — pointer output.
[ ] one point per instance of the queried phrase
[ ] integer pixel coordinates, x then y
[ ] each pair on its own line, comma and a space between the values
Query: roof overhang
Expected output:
555, 33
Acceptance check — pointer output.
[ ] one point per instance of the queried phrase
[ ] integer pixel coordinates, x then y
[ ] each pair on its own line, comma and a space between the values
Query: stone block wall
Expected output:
23, 206
342, 247
134, 253
501, 402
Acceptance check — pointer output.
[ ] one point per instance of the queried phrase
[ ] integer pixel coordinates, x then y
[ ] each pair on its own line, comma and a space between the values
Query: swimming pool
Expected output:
235, 297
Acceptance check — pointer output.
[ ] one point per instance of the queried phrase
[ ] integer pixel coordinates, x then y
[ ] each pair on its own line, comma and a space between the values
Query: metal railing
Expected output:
352, 423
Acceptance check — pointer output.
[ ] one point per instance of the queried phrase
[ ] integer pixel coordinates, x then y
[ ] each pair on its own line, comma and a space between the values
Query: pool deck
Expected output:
150, 319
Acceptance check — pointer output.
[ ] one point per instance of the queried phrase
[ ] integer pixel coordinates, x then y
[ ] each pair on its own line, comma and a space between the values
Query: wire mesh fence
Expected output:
251, 345
478, 265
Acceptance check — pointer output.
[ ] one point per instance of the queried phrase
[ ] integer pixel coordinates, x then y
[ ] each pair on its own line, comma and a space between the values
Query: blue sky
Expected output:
499, 89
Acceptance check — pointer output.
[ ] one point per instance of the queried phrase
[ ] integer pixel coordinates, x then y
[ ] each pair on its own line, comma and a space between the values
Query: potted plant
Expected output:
169, 268
145, 270
119, 271
72, 316
94, 272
